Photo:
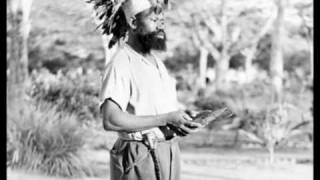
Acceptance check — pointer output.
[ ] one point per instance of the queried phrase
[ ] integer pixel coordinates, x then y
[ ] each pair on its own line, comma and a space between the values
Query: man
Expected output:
138, 100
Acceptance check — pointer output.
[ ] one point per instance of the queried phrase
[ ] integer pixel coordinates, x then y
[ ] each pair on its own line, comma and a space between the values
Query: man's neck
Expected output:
135, 44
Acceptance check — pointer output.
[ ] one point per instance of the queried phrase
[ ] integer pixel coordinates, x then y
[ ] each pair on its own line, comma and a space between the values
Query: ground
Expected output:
218, 164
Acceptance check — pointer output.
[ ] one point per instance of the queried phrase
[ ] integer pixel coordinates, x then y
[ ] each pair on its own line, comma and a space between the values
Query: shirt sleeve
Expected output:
116, 85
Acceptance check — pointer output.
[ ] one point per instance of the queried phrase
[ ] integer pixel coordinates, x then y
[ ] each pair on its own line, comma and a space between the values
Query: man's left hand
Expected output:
189, 127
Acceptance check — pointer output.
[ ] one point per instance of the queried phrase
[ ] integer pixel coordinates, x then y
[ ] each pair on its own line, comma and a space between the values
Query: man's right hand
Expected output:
183, 122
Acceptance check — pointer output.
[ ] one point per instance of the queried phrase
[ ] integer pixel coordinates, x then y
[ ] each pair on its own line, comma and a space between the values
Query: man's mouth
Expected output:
160, 35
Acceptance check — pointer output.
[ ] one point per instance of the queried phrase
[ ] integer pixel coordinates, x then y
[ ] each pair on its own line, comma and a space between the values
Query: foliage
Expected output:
181, 59
273, 128
75, 92
39, 138
292, 60
237, 96
259, 119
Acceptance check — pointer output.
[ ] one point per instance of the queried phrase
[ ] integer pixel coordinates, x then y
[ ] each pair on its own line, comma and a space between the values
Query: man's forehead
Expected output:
150, 11
157, 5
156, 9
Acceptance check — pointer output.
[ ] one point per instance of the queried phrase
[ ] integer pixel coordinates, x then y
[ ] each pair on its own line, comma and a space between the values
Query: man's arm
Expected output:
116, 120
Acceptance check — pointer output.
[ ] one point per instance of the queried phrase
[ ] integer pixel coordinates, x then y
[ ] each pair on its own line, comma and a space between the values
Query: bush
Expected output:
181, 58
73, 93
41, 139
250, 100
238, 97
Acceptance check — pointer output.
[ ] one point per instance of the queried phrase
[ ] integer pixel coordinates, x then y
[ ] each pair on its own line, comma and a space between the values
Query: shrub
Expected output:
250, 103
73, 93
41, 139
274, 127
238, 97
181, 58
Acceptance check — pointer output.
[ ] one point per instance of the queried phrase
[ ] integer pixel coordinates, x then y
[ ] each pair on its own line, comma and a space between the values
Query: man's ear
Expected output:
133, 23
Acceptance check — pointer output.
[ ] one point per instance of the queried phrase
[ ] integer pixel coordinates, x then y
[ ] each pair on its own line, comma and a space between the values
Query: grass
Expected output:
41, 139
213, 164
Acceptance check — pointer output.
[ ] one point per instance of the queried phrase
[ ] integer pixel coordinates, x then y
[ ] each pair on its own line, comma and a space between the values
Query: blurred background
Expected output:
254, 56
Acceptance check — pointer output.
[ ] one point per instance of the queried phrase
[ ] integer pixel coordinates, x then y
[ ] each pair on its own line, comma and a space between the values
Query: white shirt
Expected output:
138, 86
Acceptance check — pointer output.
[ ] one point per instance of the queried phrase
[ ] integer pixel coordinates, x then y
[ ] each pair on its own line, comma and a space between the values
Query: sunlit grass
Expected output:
41, 139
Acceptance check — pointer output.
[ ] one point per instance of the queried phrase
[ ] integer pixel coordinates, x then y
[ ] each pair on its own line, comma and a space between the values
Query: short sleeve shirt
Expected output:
138, 86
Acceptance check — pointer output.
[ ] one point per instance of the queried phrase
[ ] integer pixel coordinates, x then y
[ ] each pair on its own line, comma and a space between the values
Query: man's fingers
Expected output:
179, 131
184, 128
193, 125
182, 132
187, 117
189, 130
191, 113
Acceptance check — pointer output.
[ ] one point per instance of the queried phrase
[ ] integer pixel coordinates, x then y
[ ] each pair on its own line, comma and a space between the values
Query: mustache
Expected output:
156, 33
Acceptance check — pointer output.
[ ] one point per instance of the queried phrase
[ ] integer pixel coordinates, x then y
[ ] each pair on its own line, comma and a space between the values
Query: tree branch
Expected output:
252, 137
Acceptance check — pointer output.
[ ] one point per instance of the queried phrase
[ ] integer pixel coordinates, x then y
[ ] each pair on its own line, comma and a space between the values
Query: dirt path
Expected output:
217, 167
205, 166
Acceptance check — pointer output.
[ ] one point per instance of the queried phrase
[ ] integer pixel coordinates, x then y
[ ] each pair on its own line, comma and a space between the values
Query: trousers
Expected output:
131, 160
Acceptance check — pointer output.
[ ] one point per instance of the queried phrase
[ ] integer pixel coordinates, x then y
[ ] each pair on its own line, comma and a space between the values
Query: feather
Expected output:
112, 17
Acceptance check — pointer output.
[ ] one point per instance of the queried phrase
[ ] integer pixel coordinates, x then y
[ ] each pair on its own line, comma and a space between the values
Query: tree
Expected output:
306, 14
231, 29
276, 61
211, 33
18, 28
273, 127
250, 50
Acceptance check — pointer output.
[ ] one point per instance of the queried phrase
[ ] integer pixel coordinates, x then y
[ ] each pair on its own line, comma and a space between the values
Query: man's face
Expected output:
150, 29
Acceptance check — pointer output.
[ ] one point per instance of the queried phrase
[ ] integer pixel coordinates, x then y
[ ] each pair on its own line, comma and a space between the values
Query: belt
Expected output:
141, 136
161, 133
148, 137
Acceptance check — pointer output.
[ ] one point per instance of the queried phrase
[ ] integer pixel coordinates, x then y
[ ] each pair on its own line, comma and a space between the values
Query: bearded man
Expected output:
138, 100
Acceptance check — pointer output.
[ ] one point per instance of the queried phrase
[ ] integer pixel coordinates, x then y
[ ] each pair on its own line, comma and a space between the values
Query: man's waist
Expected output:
139, 135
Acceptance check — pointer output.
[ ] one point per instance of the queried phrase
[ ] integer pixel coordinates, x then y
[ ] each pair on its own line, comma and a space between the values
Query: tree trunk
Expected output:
248, 62
222, 67
203, 66
17, 39
271, 153
250, 52
222, 64
276, 61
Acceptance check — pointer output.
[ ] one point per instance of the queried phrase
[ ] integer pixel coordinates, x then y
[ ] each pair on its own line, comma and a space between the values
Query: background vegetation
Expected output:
254, 56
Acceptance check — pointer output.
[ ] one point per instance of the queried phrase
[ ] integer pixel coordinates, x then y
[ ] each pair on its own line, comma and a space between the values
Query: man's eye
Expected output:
154, 19
158, 9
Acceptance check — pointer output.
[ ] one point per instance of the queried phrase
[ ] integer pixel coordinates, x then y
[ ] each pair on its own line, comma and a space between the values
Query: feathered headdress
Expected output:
113, 17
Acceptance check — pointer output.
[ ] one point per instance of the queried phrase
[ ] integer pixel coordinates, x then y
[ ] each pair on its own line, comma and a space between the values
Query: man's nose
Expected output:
160, 23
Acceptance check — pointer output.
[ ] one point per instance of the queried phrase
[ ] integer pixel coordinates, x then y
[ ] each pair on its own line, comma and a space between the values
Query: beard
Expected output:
154, 40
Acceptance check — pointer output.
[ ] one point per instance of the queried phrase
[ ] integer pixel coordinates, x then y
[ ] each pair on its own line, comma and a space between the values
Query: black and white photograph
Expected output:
160, 90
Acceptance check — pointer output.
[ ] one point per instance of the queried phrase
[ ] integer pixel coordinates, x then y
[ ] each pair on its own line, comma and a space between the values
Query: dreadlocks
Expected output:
112, 17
